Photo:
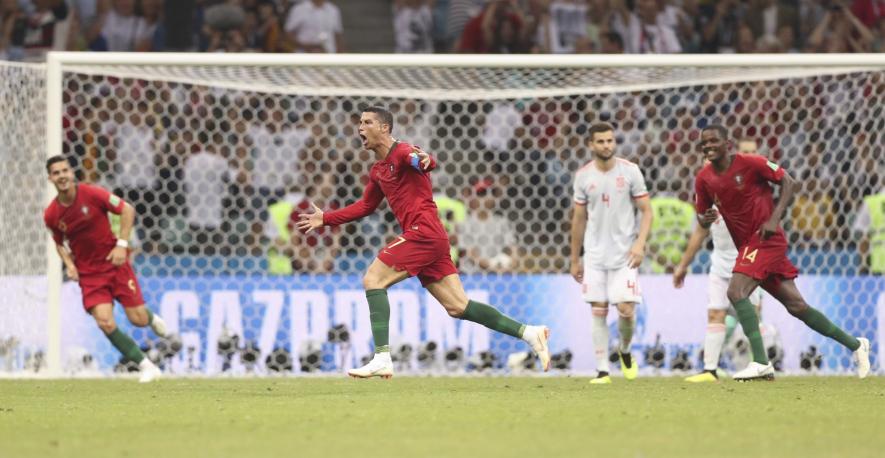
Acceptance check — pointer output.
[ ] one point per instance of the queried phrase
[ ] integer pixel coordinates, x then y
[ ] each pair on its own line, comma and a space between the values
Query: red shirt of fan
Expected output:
408, 189
84, 225
743, 196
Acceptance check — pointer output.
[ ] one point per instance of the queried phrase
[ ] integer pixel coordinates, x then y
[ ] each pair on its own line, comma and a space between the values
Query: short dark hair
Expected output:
55, 159
599, 128
385, 116
723, 132
615, 38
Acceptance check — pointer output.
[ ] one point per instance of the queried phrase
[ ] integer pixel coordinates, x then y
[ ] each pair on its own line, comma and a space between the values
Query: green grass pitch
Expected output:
451, 417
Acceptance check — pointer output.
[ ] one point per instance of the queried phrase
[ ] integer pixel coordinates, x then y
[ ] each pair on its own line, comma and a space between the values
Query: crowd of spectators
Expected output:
28, 28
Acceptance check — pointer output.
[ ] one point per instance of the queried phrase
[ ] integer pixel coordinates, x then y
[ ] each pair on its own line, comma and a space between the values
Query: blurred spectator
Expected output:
119, 29
498, 29
460, 12
413, 26
11, 23
812, 214
268, 33
223, 27
766, 17
38, 29
869, 227
206, 177
612, 43
568, 24
746, 42
879, 42
869, 12
840, 31
720, 26
83, 14
487, 240
180, 25
277, 143
648, 30
315, 26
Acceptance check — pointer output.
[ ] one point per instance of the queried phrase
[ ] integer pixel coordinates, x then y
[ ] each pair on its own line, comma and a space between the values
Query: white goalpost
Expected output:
270, 127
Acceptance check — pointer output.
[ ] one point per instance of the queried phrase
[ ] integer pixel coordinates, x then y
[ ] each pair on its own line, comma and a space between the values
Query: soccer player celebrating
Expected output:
402, 174
740, 187
607, 193
723, 259
98, 260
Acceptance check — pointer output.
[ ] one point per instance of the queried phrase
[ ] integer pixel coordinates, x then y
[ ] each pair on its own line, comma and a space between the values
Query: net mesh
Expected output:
22, 239
206, 152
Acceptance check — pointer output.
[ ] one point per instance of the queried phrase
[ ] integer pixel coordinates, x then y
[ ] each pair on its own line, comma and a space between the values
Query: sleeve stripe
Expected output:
640, 196
580, 203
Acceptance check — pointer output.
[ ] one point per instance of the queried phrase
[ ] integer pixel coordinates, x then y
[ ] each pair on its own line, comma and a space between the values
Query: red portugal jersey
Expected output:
84, 225
408, 190
742, 194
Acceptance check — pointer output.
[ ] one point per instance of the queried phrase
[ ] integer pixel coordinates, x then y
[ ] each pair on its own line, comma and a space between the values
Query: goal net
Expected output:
217, 152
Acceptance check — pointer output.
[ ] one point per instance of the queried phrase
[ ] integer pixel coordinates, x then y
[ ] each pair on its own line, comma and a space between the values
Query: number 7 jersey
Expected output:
612, 225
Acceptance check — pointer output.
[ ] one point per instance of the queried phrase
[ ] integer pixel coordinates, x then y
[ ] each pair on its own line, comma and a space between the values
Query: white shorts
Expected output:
719, 294
613, 286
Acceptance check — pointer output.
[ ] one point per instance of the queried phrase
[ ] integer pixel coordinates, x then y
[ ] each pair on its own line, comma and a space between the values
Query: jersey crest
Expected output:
620, 182
62, 226
85, 210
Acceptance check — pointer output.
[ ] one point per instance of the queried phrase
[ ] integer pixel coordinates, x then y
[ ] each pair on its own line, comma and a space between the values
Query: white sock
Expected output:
383, 356
625, 333
600, 338
713, 345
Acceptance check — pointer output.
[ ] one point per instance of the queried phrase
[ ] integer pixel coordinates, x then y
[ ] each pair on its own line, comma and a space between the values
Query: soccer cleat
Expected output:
703, 377
159, 326
628, 366
380, 366
601, 379
862, 357
536, 337
755, 371
149, 372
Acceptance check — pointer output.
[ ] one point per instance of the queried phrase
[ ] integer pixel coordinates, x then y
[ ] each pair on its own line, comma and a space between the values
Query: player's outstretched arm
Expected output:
787, 189
637, 252
372, 197
579, 225
425, 162
694, 245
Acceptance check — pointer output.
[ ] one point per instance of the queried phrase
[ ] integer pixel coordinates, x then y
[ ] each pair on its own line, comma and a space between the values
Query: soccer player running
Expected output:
402, 174
722, 260
97, 259
740, 187
607, 193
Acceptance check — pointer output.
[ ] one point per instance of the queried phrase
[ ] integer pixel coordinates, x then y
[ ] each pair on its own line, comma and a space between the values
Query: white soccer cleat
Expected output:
536, 337
755, 371
862, 357
159, 326
149, 372
380, 366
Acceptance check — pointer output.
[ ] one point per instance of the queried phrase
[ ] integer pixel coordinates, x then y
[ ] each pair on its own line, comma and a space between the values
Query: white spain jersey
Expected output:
724, 252
612, 225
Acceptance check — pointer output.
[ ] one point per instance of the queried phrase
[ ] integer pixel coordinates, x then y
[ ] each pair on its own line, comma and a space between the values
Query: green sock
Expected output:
125, 345
750, 322
150, 316
820, 323
379, 315
730, 323
491, 318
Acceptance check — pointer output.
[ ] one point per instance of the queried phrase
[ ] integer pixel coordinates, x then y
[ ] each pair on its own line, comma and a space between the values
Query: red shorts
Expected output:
765, 261
429, 259
119, 284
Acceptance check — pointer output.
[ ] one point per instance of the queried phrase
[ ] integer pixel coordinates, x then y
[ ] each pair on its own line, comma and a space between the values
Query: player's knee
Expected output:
139, 319
736, 294
455, 310
106, 325
796, 307
626, 313
371, 282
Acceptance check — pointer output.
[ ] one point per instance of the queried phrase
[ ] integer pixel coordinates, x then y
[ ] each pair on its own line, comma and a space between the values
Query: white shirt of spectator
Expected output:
206, 178
135, 151
412, 27
568, 22
612, 225
276, 156
724, 252
315, 25
657, 38
122, 33
490, 237
500, 126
